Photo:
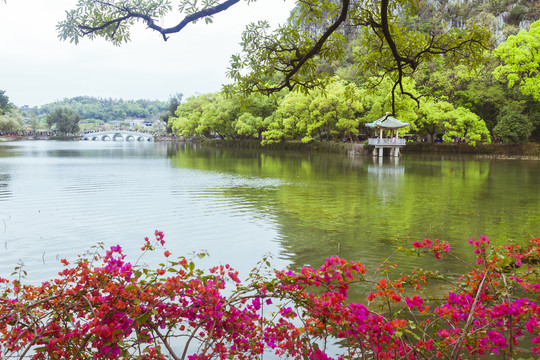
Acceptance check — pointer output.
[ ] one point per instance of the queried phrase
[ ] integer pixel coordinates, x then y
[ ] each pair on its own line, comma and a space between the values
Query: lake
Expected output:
58, 199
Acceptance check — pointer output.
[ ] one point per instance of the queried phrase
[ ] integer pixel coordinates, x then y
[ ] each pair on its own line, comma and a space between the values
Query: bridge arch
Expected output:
115, 135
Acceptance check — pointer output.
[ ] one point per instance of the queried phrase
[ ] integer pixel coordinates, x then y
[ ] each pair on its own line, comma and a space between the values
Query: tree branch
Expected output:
457, 348
300, 60
151, 23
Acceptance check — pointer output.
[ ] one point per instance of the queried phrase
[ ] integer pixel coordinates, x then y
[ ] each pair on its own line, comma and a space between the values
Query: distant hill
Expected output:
93, 109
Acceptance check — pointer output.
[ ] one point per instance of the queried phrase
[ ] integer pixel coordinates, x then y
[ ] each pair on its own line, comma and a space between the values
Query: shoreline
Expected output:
527, 151
504, 151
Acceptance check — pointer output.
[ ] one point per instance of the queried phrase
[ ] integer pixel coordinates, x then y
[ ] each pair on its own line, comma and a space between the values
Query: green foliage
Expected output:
335, 111
188, 114
462, 124
113, 20
249, 125
485, 100
66, 120
5, 105
291, 119
513, 126
320, 114
34, 123
218, 116
377, 100
11, 121
95, 19
267, 54
517, 14
291, 55
174, 102
521, 55
477, 91
106, 110
432, 115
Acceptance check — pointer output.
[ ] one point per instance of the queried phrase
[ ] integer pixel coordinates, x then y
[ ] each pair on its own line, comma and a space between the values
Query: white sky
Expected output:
37, 68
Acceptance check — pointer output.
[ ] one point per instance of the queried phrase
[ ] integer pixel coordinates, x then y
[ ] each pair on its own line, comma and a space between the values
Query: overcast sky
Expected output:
37, 68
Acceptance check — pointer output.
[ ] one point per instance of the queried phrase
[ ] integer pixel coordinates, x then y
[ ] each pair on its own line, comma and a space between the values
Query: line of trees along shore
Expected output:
104, 109
65, 115
498, 101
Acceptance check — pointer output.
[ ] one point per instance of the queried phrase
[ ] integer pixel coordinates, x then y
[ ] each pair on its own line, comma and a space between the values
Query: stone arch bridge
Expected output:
117, 135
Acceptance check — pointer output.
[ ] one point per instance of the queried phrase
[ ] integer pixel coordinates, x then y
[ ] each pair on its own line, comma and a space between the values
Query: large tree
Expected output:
462, 124
188, 117
66, 120
287, 57
256, 117
521, 58
11, 121
5, 105
335, 112
513, 125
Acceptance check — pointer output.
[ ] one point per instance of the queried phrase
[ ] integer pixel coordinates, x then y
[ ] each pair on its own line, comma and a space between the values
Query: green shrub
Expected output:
512, 125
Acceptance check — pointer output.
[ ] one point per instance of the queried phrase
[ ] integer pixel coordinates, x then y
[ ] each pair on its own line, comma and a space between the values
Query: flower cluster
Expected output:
480, 247
103, 307
435, 246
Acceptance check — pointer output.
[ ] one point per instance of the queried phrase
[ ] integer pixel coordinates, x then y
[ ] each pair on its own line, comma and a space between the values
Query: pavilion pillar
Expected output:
381, 151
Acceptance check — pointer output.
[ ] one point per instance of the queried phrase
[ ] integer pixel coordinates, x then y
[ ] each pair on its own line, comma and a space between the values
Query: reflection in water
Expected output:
389, 175
4, 185
302, 207
363, 208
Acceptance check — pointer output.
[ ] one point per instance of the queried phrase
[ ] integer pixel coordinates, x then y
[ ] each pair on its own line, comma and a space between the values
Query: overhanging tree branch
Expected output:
301, 59
87, 25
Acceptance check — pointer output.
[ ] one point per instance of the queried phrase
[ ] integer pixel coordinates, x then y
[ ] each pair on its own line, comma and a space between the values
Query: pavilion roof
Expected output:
387, 122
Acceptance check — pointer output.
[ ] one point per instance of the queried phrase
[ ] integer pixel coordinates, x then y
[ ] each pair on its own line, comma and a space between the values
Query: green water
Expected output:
363, 208
57, 199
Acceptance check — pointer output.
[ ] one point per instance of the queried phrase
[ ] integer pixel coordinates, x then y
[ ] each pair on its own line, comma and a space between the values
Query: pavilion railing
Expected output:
386, 141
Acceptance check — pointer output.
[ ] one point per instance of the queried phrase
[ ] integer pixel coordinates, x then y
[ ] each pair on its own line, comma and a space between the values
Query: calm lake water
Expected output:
57, 199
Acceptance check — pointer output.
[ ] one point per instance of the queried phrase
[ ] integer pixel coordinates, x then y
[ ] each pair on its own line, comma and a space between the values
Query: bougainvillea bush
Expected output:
103, 307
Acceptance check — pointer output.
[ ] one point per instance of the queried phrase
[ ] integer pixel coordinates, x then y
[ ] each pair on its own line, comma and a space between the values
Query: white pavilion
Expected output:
393, 142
